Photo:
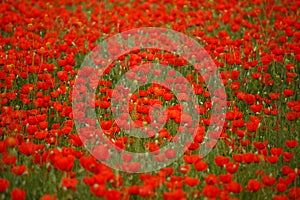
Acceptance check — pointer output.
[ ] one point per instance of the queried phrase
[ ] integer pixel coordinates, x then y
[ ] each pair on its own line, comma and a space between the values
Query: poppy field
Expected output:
220, 121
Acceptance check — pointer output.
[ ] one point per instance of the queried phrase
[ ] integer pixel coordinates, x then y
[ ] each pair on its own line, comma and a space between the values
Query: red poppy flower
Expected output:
9, 159
221, 160
280, 197
145, 191
113, 195
63, 75
252, 126
281, 187
200, 166
274, 96
291, 116
28, 148
294, 192
256, 108
235, 74
238, 123
286, 170
211, 179
238, 158
4, 184
18, 194
48, 197
168, 171
287, 156
291, 143
253, 185
234, 187
225, 178
272, 159
248, 157
288, 93
69, 183
106, 125
235, 85
232, 167
18, 170
250, 99
98, 190
268, 180
134, 189
177, 194
210, 191
190, 159
75, 140
191, 181
276, 151
64, 163
260, 145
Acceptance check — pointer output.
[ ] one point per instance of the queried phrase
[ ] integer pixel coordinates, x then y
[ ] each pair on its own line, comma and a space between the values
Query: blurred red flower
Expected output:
234, 187
69, 183
18, 170
253, 185
200, 166
4, 184
221, 160
210, 191
64, 163
18, 194
48, 197
291, 143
